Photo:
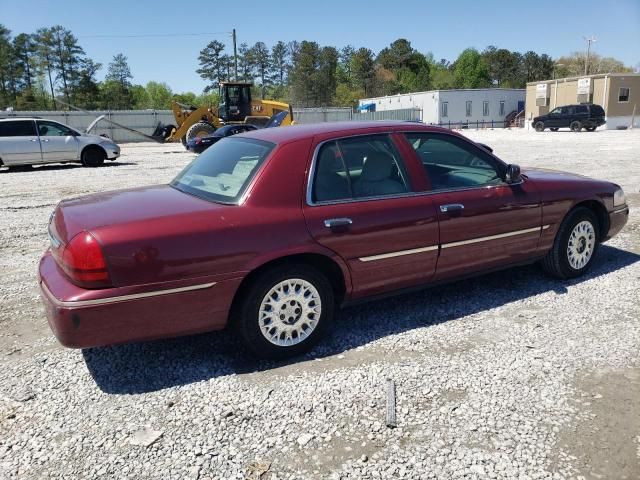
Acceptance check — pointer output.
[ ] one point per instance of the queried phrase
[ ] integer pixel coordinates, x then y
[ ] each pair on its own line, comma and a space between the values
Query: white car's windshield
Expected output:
223, 172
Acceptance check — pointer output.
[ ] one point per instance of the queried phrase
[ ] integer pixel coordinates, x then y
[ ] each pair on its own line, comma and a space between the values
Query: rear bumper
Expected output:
617, 220
81, 318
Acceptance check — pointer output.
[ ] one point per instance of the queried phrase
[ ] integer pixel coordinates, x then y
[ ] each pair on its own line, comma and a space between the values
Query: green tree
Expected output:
504, 66
470, 71
24, 50
262, 61
362, 68
119, 71
46, 55
117, 84
279, 62
212, 64
67, 57
325, 81
245, 63
139, 98
7, 76
86, 91
159, 95
306, 60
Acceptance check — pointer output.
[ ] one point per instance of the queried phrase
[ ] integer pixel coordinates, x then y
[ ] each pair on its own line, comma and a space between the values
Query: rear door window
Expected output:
358, 167
581, 109
17, 128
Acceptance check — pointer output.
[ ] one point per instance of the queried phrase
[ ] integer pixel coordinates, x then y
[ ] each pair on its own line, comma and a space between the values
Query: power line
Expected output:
151, 35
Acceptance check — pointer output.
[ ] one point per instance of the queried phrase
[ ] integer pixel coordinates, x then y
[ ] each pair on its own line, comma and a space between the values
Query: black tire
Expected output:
590, 129
93, 157
167, 131
539, 126
200, 129
553, 129
556, 263
575, 126
246, 312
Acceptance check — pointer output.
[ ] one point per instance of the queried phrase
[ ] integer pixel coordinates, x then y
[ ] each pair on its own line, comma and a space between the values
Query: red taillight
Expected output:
84, 261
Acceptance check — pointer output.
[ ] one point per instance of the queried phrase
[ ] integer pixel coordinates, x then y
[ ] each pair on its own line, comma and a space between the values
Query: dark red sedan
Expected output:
271, 230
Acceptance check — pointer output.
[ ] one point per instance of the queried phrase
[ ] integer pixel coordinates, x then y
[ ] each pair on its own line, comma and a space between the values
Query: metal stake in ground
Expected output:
391, 404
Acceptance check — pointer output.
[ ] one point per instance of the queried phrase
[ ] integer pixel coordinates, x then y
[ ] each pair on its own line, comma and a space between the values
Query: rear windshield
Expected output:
597, 110
223, 172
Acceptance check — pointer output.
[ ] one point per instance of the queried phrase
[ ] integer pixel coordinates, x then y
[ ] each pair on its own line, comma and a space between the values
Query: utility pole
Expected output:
589, 41
235, 55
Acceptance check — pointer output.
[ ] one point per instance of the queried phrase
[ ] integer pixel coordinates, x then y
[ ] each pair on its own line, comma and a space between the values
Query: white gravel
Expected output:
489, 373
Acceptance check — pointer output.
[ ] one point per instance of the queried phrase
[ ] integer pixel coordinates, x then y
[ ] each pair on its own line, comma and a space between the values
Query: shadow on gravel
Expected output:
151, 366
59, 166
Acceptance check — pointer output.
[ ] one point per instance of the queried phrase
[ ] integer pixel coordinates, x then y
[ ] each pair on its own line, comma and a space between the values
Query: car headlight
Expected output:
619, 198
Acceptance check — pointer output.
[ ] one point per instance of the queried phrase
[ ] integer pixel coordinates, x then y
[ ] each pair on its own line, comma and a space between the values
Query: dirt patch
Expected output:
604, 441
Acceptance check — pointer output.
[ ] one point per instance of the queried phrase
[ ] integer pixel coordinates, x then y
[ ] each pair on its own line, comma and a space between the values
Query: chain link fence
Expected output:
142, 120
146, 121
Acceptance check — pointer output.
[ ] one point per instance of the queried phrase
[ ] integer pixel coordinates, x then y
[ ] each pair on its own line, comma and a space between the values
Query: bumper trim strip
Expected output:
121, 298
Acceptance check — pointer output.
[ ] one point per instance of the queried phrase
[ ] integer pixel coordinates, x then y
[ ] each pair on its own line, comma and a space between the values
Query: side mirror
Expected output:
513, 174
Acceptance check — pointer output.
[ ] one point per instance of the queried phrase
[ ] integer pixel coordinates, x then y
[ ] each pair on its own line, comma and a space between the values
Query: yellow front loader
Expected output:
236, 106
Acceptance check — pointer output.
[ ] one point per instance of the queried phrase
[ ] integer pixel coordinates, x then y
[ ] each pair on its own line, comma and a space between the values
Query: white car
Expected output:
32, 141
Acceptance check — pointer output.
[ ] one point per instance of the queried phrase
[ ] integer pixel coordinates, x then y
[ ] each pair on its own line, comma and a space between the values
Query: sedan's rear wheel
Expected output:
284, 311
575, 245
539, 126
575, 126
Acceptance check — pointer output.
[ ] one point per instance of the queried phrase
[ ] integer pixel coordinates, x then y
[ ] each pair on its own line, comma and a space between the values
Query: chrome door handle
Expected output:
451, 207
337, 222
45, 139
34, 139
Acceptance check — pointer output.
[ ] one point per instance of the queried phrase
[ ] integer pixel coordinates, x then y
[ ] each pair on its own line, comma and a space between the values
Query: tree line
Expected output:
48, 69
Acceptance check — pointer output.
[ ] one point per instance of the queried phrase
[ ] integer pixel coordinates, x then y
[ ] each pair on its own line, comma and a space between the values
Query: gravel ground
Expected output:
509, 375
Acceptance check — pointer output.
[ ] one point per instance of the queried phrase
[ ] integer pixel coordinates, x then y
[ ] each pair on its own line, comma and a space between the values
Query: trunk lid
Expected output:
90, 212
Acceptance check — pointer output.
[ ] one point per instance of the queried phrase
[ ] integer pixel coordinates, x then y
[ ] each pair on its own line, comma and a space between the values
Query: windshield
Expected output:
223, 172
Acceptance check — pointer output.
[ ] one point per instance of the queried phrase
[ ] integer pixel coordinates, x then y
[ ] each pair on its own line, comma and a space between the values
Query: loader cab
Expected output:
235, 101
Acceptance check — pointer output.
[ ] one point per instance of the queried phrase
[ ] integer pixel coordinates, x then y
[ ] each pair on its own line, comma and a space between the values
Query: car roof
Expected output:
19, 118
299, 132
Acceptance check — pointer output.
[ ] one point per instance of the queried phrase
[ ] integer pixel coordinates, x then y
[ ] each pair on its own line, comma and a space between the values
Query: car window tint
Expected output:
225, 169
358, 167
17, 128
452, 162
52, 129
581, 109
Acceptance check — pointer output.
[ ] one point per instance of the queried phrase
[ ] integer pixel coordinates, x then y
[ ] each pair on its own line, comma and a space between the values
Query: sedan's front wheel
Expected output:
575, 245
284, 311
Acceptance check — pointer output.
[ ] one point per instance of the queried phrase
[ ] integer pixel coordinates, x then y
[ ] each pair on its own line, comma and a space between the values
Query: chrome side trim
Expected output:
398, 253
122, 298
493, 237
619, 210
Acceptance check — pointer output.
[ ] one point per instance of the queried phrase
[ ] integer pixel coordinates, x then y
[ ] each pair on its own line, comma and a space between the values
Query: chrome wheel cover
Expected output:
289, 312
581, 244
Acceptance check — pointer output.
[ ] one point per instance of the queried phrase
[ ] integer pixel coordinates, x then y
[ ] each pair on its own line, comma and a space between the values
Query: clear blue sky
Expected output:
442, 27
